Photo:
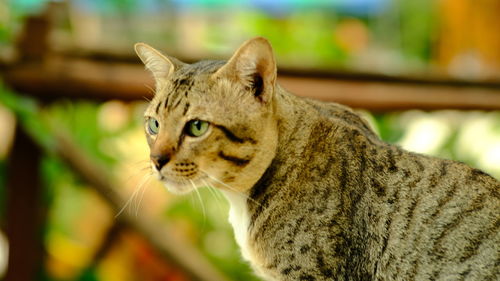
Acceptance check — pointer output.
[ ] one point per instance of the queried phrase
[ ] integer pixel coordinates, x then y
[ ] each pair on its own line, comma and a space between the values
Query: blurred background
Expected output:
77, 201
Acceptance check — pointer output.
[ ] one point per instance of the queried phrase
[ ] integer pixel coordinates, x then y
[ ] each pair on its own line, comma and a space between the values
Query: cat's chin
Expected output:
178, 188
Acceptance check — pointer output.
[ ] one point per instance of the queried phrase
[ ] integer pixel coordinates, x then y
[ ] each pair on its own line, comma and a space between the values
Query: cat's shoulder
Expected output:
343, 117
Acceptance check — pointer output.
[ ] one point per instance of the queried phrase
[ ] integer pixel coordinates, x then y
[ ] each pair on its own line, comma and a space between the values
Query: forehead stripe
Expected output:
158, 107
165, 104
177, 102
186, 107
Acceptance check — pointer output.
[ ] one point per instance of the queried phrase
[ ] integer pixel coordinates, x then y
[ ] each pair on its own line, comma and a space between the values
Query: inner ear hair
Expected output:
257, 85
160, 65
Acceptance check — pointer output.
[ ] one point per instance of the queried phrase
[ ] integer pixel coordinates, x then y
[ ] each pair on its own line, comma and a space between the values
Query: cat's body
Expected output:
323, 197
365, 210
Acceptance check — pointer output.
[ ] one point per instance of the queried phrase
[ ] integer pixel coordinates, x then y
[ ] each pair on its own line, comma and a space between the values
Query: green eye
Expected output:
153, 126
196, 128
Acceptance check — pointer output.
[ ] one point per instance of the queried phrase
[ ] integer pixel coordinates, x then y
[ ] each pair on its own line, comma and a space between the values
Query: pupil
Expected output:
197, 124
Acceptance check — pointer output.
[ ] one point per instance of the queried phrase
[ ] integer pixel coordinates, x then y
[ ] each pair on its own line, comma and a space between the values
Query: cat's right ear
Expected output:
161, 66
254, 66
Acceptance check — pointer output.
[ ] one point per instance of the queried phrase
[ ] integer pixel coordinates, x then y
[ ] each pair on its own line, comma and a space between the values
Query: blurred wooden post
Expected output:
25, 214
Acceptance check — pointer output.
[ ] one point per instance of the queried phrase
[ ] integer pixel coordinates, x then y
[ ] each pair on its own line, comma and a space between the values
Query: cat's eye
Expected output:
196, 128
153, 126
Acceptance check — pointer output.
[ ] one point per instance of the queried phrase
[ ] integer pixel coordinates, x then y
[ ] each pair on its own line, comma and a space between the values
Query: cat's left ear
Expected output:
254, 66
161, 66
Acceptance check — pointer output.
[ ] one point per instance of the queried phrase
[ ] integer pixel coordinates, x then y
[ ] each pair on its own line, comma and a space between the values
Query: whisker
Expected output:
152, 91
137, 170
215, 194
231, 188
140, 162
213, 191
145, 168
192, 201
134, 194
144, 188
138, 165
201, 201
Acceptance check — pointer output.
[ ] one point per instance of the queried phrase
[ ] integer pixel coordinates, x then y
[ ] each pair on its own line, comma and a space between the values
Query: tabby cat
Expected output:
314, 193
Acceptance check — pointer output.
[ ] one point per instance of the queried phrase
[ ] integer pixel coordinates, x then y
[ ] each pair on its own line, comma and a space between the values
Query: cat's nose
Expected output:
159, 160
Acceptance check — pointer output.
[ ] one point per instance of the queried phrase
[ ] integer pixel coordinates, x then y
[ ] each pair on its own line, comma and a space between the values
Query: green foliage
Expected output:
81, 121
89, 274
27, 112
418, 22
388, 127
294, 43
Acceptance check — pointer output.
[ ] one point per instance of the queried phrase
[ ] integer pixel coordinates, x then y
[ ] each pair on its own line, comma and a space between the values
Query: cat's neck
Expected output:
293, 120
290, 113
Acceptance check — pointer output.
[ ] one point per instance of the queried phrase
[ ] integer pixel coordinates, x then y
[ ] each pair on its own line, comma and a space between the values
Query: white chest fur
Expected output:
239, 219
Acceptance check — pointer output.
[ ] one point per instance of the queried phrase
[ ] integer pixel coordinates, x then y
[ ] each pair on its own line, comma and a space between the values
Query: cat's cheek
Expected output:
211, 167
208, 163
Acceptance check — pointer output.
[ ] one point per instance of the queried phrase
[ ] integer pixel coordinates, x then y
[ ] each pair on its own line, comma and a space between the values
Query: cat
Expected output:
314, 193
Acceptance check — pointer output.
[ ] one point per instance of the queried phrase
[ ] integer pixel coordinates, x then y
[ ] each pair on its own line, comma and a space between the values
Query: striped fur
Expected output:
327, 199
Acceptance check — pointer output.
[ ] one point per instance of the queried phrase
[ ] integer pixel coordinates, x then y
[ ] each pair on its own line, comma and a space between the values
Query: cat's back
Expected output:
434, 219
440, 221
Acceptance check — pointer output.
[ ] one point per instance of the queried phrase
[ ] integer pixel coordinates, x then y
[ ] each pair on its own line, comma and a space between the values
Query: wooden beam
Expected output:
85, 79
79, 79
383, 96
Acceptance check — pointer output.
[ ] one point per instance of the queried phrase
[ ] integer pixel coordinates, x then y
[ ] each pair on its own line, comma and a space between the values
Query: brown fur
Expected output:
325, 198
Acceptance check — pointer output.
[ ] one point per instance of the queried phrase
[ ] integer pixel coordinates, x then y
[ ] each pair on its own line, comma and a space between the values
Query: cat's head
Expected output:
212, 122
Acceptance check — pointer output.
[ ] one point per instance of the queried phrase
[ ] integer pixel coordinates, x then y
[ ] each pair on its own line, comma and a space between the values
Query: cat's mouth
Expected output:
180, 177
181, 185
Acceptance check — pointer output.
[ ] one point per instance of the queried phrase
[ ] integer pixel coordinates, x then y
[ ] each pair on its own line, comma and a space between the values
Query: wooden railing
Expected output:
77, 78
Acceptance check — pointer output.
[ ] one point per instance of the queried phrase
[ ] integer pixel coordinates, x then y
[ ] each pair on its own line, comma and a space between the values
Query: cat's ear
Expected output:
254, 66
160, 65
